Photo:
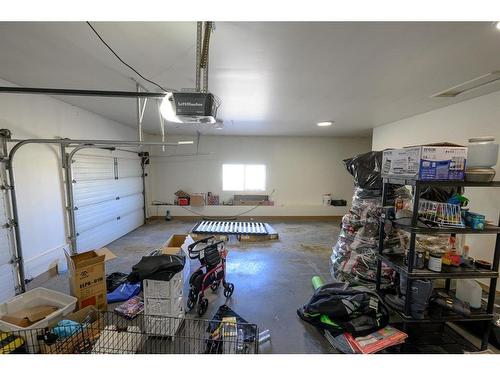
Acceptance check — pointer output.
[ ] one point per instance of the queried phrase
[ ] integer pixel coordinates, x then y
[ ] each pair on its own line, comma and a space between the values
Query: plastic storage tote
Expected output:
164, 289
32, 298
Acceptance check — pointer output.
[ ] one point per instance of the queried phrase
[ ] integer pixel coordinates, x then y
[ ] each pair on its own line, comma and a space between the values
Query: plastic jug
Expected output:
469, 291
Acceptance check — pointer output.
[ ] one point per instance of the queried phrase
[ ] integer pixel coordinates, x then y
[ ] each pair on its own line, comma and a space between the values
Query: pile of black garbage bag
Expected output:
354, 255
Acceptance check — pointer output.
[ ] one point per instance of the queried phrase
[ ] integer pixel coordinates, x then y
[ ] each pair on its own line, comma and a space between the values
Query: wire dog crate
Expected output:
110, 333
441, 214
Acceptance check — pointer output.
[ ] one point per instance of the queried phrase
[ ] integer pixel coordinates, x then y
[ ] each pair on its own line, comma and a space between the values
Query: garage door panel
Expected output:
93, 168
104, 234
129, 168
92, 192
5, 241
7, 281
94, 215
100, 217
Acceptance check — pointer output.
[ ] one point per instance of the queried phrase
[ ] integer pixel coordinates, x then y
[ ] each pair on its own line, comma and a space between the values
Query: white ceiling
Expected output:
274, 78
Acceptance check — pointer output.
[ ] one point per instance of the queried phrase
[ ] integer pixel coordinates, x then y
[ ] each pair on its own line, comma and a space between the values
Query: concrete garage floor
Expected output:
271, 278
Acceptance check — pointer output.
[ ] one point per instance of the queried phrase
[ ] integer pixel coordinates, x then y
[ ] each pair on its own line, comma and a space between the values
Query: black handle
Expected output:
203, 240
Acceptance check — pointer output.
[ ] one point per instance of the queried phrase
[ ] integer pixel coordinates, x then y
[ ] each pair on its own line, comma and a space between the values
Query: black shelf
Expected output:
438, 314
448, 272
413, 182
445, 317
405, 224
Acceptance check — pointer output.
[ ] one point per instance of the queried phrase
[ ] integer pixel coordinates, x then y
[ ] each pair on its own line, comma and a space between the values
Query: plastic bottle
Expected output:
240, 341
264, 336
62, 266
469, 291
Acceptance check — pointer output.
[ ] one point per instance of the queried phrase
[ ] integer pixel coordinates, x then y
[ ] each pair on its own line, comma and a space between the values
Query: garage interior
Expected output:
119, 138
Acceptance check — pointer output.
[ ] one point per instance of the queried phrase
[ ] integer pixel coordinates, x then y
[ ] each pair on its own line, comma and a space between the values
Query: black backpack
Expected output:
339, 309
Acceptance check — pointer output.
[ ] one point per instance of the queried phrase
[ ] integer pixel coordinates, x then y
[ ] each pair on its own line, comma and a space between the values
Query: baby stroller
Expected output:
212, 255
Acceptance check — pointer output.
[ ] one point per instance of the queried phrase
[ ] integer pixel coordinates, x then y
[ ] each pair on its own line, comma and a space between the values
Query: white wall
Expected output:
38, 172
455, 123
299, 169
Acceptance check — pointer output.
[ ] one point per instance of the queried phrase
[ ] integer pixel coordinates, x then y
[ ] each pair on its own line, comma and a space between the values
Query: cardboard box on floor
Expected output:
92, 325
177, 244
29, 315
87, 277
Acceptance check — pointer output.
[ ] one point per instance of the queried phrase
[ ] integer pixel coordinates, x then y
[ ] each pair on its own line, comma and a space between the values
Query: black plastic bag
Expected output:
366, 169
340, 309
438, 194
114, 280
159, 267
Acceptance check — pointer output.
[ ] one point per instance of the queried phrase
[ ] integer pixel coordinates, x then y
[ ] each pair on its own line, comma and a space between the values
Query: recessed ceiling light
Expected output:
498, 25
325, 123
185, 142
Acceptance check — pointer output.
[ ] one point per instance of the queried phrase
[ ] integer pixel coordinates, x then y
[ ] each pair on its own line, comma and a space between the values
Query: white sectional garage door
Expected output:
8, 274
107, 191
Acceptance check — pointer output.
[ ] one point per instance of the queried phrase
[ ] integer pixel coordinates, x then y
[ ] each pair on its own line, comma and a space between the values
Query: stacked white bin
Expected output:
164, 305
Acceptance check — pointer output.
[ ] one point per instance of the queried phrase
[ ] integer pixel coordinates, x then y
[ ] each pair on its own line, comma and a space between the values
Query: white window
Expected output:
243, 177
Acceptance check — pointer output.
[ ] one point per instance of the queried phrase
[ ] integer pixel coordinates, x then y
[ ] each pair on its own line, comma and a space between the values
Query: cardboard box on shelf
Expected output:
440, 161
197, 200
212, 199
183, 201
181, 194
252, 200
87, 277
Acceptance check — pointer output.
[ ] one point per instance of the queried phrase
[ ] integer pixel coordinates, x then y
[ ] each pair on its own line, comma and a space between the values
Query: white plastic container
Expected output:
327, 199
435, 262
162, 326
32, 298
469, 291
482, 152
163, 289
163, 307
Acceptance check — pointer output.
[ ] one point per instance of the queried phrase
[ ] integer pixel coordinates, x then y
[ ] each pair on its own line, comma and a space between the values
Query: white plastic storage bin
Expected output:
164, 289
32, 298
163, 307
162, 326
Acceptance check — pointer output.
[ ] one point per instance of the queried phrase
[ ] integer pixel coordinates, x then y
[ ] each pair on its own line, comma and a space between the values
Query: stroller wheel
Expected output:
228, 290
202, 308
215, 285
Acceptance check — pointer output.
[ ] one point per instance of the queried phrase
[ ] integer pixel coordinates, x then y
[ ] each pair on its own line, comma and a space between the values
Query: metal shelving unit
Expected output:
397, 263
414, 227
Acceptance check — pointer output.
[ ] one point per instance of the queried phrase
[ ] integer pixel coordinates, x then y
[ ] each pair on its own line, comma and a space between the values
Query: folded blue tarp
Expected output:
124, 292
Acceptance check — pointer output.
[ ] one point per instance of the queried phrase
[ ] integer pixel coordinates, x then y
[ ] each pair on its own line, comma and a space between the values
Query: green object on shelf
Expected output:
317, 282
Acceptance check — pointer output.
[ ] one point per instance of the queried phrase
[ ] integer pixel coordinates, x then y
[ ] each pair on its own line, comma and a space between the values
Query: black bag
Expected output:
114, 280
339, 309
214, 345
366, 170
159, 267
